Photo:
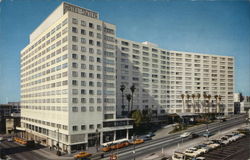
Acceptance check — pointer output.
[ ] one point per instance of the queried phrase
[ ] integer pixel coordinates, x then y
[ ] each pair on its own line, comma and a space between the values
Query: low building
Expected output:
9, 118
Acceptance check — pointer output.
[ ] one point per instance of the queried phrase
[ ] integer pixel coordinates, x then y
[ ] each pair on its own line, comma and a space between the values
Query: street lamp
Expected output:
134, 146
97, 139
58, 152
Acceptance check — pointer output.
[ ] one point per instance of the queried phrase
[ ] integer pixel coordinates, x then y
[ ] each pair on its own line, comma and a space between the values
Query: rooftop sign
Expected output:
82, 11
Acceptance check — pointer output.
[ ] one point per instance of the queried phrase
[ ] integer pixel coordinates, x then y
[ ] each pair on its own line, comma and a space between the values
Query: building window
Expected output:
91, 126
99, 108
91, 34
91, 25
74, 21
83, 91
91, 42
74, 47
83, 32
83, 40
91, 109
74, 128
74, 100
98, 27
74, 109
74, 82
74, 29
83, 23
74, 56
83, 127
74, 39
83, 109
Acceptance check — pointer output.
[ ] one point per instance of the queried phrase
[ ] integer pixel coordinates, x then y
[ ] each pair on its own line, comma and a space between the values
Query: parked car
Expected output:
150, 134
197, 150
82, 155
194, 135
244, 130
178, 156
146, 138
208, 134
202, 147
191, 153
200, 158
211, 144
186, 134
137, 141
225, 140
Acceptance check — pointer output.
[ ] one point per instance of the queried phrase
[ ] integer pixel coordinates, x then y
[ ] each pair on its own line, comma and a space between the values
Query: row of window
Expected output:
57, 28
60, 126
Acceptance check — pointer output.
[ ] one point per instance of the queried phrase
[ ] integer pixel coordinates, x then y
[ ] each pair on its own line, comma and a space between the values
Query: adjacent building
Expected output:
241, 103
74, 65
161, 76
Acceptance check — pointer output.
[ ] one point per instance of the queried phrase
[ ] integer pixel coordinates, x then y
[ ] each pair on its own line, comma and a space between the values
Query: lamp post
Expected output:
97, 140
58, 152
134, 146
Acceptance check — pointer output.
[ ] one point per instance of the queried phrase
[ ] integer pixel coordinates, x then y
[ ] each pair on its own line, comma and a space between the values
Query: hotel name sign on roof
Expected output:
82, 11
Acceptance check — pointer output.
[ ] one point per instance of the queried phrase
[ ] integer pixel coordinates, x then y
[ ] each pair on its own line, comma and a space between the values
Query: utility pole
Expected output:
97, 139
58, 152
134, 145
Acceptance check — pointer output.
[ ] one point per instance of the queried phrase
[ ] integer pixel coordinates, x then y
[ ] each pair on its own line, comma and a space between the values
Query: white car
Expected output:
198, 151
178, 156
225, 140
191, 153
211, 144
186, 134
202, 148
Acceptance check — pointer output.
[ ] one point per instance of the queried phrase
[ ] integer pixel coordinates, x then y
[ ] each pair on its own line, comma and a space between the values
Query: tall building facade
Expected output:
74, 65
163, 76
68, 83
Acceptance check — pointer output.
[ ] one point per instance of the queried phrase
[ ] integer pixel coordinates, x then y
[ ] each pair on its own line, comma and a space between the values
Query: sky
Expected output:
205, 26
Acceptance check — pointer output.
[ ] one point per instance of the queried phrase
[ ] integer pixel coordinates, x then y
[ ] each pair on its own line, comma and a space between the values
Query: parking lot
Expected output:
239, 150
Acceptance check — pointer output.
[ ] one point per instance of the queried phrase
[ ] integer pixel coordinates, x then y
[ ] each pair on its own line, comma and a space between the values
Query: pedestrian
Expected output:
50, 148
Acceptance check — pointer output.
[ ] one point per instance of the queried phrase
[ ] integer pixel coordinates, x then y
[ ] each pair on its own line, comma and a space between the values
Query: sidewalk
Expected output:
51, 155
182, 147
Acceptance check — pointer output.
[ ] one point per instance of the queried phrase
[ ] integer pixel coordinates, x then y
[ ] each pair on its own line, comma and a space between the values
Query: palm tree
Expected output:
193, 96
132, 89
204, 97
219, 97
216, 99
209, 97
188, 96
122, 88
182, 97
199, 96
128, 96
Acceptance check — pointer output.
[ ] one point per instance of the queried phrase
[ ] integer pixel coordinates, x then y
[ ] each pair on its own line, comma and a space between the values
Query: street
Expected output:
173, 139
18, 152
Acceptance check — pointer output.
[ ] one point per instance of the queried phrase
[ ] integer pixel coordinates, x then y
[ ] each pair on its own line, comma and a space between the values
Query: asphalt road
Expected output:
18, 152
173, 139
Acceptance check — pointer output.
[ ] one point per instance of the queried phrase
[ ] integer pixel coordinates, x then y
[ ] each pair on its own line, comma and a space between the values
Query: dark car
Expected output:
150, 134
146, 138
208, 134
194, 135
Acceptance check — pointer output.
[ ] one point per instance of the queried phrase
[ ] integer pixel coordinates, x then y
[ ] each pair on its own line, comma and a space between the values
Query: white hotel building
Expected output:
72, 69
